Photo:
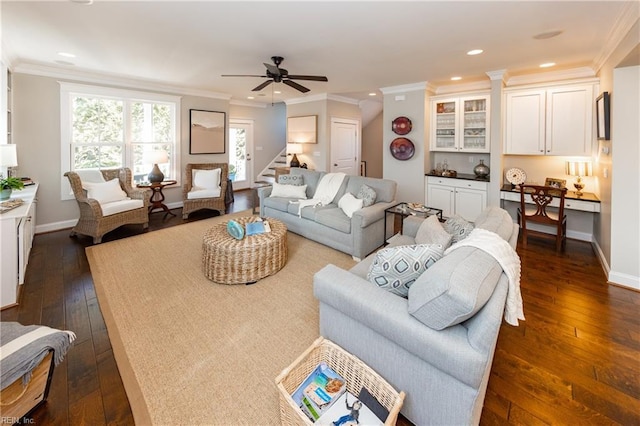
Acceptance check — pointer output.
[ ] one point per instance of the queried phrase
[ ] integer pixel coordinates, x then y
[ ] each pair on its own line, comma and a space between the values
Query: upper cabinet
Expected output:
460, 124
549, 121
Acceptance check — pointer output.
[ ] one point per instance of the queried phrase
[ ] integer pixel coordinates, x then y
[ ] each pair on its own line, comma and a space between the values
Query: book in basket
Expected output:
317, 393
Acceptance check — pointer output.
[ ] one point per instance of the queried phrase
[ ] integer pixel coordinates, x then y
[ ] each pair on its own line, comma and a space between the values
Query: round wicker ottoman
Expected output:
226, 260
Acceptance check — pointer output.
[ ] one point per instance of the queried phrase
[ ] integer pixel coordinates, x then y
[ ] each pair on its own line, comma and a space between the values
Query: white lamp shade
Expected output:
158, 157
8, 155
294, 148
579, 168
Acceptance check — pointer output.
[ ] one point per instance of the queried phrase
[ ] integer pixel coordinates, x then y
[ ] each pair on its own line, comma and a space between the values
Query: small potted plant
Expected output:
7, 185
232, 172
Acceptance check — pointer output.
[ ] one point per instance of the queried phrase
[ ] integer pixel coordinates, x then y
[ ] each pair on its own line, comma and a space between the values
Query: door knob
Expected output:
335, 165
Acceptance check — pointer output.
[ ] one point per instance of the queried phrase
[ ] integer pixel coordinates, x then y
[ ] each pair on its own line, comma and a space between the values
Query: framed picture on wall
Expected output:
302, 129
207, 132
603, 116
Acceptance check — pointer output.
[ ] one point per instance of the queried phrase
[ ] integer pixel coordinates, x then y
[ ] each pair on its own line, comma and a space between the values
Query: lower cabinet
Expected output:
466, 198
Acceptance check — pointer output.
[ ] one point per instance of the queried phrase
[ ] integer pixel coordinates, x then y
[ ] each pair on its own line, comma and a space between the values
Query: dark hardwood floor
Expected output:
573, 361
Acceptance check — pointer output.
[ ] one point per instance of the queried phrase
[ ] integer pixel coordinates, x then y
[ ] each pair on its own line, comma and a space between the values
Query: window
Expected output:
108, 128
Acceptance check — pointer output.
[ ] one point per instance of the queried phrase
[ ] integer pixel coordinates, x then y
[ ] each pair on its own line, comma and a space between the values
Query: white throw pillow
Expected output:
289, 191
350, 204
432, 232
206, 179
105, 192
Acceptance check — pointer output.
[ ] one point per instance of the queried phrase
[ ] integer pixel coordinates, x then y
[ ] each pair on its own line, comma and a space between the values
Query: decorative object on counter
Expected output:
515, 176
555, 183
449, 173
481, 170
401, 126
579, 169
602, 116
402, 149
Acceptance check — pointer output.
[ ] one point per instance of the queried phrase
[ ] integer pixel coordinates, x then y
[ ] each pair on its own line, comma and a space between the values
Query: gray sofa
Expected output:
329, 225
444, 369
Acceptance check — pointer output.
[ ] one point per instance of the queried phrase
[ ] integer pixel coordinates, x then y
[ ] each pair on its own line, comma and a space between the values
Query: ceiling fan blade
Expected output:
295, 86
308, 77
242, 75
262, 86
272, 69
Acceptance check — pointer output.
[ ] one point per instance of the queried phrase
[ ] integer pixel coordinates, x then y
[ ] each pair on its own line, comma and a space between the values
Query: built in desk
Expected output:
580, 210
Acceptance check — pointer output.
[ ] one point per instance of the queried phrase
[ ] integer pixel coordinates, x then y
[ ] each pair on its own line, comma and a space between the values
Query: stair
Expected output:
268, 175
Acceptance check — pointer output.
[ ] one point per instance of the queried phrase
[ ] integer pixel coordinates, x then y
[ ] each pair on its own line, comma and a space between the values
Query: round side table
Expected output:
226, 260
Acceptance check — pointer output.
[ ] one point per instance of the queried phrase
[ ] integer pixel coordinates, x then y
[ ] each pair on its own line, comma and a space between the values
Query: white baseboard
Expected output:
624, 280
603, 260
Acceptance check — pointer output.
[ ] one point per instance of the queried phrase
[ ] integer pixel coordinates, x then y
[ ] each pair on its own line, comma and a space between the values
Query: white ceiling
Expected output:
360, 46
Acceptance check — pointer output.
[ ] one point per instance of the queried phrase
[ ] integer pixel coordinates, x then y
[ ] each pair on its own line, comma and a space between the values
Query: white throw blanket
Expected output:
506, 256
325, 192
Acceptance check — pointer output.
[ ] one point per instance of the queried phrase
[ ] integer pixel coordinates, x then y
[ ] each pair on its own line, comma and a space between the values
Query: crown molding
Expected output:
321, 97
247, 104
552, 76
112, 80
502, 75
629, 16
466, 87
422, 86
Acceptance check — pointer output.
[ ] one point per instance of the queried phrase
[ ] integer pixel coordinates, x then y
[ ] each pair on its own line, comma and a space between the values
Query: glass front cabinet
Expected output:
460, 124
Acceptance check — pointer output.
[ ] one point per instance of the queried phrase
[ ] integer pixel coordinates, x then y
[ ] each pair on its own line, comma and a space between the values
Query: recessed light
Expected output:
277, 92
66, 54
456, 78
250, 97
372, 94
548, 34
547, 64
475, 52
87, 2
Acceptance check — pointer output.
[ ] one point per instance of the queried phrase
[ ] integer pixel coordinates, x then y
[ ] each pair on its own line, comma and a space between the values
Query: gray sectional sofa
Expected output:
437, 345
329, 225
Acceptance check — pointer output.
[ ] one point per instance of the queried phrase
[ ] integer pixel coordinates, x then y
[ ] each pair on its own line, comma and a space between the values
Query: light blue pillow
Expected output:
396, 268
367, 195
291, 180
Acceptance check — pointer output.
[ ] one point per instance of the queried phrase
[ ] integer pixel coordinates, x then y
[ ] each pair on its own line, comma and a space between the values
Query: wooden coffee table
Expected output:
226, 260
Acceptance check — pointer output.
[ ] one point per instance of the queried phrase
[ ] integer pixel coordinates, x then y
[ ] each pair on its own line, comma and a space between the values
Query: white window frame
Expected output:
68, 90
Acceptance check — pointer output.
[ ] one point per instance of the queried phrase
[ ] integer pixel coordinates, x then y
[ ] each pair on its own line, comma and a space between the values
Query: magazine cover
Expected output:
349, 411
319, 391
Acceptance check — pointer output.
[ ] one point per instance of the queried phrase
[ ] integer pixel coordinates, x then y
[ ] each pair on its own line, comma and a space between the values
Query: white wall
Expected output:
409, 174
372, 146
625, 179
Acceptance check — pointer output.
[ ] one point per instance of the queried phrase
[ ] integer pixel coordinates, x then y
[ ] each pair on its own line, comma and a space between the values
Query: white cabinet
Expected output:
549, 121
460, 124
466, 198
16, 236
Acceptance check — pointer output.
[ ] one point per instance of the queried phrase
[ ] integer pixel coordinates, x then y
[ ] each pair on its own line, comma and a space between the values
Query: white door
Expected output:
345, 146
240, 153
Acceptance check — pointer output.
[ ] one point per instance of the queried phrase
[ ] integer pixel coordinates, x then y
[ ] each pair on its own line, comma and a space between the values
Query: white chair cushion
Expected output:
203, 193
120, 206
106, 192
206, 179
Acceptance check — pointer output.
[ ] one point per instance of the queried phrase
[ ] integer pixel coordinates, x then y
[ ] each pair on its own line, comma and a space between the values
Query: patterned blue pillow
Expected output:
291, 180
396, 268
367, 195
459, 227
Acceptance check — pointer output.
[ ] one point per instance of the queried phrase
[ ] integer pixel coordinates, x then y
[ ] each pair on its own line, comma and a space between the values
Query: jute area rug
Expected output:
194, 352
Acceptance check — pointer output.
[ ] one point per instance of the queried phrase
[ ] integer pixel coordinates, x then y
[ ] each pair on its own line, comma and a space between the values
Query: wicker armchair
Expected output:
217, 203
92, 222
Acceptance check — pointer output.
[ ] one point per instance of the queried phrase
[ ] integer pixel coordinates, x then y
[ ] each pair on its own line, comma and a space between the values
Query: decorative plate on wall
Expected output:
402, 149
401, 126
515, 176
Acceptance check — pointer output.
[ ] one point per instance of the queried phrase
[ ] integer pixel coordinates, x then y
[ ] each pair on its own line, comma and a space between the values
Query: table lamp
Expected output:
294, 148
157, 157
579, 169
8, 157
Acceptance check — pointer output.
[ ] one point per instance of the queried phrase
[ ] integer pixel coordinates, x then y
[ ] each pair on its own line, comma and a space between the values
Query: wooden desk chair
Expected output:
542, 196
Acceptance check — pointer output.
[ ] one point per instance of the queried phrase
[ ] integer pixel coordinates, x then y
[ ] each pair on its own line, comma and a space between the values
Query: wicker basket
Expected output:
356, 373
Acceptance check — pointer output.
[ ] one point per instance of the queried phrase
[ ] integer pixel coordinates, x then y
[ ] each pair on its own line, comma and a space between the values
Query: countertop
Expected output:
464, 176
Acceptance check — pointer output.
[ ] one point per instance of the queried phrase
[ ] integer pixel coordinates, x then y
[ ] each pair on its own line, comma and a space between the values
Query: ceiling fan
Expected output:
275, 74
